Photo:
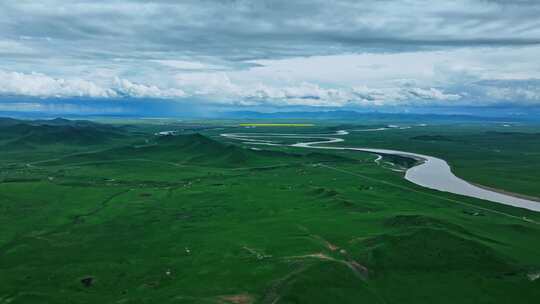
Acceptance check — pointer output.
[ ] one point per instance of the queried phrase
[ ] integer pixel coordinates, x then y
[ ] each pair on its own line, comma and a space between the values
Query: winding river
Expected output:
431, 172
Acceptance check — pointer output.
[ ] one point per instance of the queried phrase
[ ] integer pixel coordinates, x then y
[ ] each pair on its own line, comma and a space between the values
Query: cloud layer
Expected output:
276, 53
40, 85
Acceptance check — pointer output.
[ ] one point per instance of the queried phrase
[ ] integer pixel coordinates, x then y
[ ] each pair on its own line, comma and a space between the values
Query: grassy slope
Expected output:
176, 222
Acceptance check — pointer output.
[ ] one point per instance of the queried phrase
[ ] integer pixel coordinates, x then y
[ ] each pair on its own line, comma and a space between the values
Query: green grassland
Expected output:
493, 155
115, 214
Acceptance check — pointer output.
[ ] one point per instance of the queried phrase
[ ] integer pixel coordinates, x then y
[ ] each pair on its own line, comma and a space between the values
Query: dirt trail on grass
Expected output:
342, 256
237, 299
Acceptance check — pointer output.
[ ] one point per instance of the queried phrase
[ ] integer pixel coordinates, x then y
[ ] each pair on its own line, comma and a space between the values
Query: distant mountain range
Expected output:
500, 115
373, 116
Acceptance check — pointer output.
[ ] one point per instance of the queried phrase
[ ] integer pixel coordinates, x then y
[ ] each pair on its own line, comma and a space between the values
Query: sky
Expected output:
119, 56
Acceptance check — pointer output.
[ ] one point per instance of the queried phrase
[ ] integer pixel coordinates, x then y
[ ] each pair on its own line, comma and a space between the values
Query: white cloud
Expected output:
126, 87
301, 94
402, 95
430, 94
366, 95
421, 68
205, 83
220, 87
40, 85
450, 77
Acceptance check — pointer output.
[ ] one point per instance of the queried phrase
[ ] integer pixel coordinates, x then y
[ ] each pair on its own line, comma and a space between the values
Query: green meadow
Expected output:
111, 213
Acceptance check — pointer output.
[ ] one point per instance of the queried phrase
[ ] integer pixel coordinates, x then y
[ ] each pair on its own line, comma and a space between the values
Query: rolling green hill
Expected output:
129, 217
196, 149
18, 134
